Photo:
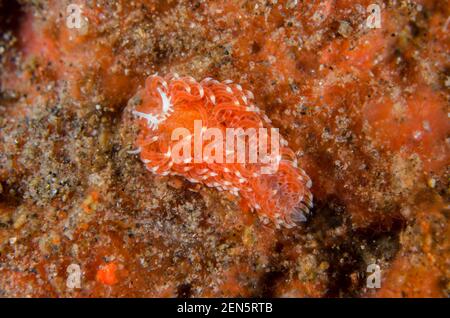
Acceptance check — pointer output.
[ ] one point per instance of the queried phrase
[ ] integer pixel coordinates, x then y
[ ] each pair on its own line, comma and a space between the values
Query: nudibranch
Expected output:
184, 130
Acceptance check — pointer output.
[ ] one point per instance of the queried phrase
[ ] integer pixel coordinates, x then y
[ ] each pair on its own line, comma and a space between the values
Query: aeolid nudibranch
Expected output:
210, 132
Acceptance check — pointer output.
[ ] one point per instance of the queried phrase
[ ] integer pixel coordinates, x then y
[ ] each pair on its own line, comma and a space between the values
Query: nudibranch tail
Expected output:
201, 115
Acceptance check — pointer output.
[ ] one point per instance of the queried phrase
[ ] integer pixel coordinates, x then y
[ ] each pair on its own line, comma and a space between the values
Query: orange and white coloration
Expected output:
171, 102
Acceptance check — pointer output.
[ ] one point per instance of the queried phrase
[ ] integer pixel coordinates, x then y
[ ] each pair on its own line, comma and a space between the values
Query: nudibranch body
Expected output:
197, 130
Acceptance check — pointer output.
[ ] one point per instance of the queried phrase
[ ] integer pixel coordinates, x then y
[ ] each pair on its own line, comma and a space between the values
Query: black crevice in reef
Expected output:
184, 291
347, 260
11, 14
268, 283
